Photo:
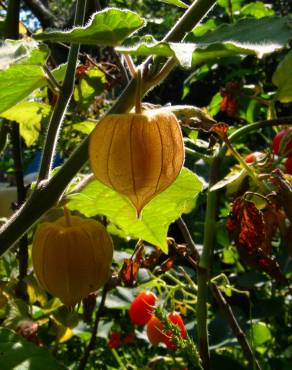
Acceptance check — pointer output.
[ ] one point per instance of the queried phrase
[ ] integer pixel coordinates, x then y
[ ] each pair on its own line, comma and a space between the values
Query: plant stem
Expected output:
67, 216
62, 101
237, 331
138, 105
244, 165
193, 15
92, 341
204, 266
188, 238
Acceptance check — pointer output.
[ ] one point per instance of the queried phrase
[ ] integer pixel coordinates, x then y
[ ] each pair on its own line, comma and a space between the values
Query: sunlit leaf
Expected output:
108, 27
257, 9
224, 41
282, 78
177, 3
29, 115
157, 215
23, 73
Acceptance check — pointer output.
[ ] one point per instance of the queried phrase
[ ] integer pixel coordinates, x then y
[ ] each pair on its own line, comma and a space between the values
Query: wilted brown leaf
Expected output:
131, 266
220, 129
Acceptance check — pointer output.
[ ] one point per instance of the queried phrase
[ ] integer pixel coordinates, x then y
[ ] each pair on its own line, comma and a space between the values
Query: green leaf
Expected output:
272, 33
23, 75
91, 84
108, 27
214, 106
235, 178
157, 215
225, 41
282, 78
85, 127
29, 115
261, 333
257, 9
235, 5
12, 52
177, 3
18, 354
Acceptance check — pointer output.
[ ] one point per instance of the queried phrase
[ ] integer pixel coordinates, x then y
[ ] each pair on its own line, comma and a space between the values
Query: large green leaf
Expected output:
261, 35
282, 78
29, 115
177, 3
23, 73
110, 26
18, 354
157, 215
226, 40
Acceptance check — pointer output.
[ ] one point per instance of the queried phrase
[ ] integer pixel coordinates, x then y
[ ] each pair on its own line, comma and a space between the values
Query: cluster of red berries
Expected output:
281, 146
142, 313
117, 341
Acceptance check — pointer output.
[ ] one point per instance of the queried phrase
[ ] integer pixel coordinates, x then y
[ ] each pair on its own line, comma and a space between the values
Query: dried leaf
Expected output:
253, 230
131, 266
220, 129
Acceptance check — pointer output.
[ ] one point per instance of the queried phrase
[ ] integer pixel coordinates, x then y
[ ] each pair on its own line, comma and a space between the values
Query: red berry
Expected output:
288, 165
176, 319
276, 143
157, 334
251, 157
155, 331
115, 340
141, 308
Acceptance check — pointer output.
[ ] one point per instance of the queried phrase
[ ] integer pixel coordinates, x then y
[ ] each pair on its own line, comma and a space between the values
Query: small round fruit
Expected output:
252, 157
276, 143
155, 331
141, 308
72, 257
176, 319
288, 165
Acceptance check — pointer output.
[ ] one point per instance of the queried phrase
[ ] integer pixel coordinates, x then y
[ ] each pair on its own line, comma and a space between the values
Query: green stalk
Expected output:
204, 266
63, 100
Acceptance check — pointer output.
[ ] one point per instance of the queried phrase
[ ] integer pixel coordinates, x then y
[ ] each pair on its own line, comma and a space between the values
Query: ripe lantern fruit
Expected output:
72, 257
137, 154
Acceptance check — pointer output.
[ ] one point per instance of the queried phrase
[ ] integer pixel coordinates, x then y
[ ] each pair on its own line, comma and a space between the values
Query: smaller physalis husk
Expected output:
138, 155
71, 261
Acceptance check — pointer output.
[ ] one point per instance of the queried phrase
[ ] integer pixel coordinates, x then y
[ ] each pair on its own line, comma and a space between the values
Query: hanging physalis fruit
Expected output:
137, 154
72, 257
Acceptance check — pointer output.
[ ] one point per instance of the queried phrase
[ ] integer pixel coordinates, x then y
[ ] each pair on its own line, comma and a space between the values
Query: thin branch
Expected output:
92, 341
62, 102
42, 13
188, 238
237, 331
131, 65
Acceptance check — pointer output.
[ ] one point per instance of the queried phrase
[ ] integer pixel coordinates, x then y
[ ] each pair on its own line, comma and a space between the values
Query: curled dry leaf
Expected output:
252, 232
